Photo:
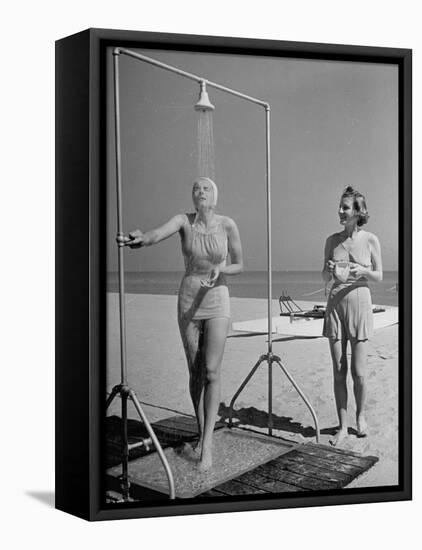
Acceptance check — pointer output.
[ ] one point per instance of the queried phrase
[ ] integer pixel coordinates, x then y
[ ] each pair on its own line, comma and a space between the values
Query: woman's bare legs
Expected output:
338, 349
358, 370
215, 335
192, 337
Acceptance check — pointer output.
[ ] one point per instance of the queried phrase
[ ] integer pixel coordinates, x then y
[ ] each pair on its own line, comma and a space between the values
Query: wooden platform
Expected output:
245, 463
308, 467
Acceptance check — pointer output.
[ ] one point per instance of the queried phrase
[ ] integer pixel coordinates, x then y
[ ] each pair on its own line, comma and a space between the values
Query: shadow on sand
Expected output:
251, 416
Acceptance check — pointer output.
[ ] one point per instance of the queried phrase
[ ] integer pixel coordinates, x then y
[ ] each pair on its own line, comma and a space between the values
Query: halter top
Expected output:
361, 255
204, 248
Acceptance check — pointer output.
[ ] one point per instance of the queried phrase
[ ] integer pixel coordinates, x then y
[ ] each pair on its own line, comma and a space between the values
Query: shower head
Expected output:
204, 103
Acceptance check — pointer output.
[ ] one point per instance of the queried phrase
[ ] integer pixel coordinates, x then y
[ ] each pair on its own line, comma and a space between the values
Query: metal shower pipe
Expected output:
201, 80
123, 388
269, 357
192, 76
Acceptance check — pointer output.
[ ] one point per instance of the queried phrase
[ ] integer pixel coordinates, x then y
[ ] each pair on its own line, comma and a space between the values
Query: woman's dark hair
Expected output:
359, 204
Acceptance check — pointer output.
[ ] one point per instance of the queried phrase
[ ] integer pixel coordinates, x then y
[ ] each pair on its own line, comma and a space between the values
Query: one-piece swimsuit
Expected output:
349, 306
203, 250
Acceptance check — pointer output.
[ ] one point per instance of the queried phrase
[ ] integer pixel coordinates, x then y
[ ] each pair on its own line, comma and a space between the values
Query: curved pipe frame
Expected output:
269, 357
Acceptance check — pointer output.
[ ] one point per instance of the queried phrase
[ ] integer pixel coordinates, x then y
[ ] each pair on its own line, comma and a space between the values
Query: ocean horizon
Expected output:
300, 285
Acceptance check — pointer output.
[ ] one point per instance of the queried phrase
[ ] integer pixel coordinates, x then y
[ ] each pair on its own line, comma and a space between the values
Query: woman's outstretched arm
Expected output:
139, 239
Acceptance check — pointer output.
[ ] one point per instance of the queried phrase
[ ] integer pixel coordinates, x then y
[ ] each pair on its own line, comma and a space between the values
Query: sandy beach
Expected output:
157, 372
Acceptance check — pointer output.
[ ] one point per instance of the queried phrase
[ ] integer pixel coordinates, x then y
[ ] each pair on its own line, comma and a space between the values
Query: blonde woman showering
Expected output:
203, 300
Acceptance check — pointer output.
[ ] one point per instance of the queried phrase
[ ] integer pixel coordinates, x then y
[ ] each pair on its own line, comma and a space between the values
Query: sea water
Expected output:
299, 285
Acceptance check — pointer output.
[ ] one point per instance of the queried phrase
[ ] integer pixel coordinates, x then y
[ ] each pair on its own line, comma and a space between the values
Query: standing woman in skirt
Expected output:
352, 258
207, 240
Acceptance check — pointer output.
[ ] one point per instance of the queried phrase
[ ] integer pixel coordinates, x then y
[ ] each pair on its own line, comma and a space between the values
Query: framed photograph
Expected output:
233, 274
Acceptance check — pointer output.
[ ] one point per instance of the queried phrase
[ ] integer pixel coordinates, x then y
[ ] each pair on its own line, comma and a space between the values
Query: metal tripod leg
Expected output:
112, 395
302, 395
126, 393
270, 358
121, 390
239, 391
160, 451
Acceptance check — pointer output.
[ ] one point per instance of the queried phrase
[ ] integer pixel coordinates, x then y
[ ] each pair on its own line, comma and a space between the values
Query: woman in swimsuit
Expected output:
203, 301
352, 258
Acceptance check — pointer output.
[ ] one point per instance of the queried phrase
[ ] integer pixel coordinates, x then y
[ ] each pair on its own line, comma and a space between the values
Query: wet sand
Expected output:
157, 372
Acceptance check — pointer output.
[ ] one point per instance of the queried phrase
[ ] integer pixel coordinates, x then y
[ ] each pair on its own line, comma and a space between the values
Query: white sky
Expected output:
333, 124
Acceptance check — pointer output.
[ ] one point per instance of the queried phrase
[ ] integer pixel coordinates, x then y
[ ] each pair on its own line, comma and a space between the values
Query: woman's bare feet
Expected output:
197, 448
190, 452
205, 462
339, 437
361, 426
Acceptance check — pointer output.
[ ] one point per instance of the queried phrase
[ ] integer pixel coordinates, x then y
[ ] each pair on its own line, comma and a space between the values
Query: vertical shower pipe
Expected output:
269, 356
120, 238
269, 274
123, 389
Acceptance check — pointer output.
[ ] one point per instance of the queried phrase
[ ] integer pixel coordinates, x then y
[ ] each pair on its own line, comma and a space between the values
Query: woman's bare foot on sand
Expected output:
339, 437
197, 448
361, 427
205, 462
191, 452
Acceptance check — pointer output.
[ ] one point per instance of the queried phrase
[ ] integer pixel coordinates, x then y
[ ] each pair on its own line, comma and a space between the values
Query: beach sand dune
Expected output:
157, 372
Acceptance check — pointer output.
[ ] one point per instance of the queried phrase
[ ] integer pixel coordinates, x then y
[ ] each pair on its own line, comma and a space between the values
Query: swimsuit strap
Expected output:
203, 230
348, 251
206, 244
351, 257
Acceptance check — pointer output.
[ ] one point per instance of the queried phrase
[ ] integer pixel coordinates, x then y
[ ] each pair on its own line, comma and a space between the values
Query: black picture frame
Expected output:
80, 273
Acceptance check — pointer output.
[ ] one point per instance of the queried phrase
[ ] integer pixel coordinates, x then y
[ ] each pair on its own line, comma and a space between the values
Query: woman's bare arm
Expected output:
373, 273
327, 269
235, 249
139, 239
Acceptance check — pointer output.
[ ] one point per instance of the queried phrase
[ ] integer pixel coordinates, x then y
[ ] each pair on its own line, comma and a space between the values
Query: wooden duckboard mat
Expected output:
308, 467
235, 452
